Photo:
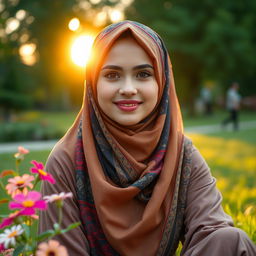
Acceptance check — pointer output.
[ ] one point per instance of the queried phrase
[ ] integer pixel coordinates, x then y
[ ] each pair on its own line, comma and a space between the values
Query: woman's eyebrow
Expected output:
112, 67
142, 66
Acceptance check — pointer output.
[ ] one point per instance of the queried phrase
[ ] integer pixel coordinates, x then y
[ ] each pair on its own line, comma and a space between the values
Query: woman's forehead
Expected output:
126, 50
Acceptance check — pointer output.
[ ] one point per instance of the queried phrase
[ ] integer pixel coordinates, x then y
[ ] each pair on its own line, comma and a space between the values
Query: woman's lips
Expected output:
128, 105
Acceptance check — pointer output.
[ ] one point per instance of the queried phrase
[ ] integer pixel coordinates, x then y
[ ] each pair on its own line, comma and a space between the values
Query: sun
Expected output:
81, 49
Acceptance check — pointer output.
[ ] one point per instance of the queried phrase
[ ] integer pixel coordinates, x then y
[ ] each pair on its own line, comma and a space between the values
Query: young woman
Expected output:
139, 184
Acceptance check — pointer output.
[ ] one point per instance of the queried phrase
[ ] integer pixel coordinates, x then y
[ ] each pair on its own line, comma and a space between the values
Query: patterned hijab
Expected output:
126, 175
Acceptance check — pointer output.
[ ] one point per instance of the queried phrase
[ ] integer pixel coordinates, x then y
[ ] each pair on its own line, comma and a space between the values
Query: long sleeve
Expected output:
208, 230
61, 167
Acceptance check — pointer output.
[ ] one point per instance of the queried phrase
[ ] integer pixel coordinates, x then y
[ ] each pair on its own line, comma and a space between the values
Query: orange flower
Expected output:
52, 248
19, 182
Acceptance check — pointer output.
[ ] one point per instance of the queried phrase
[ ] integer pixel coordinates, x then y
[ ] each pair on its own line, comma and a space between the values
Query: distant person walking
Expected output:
233, 105
206, 97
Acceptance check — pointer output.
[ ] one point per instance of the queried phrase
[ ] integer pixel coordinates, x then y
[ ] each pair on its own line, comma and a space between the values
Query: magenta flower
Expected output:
2, 248
9, 220
12, 216
39, 168
28, 203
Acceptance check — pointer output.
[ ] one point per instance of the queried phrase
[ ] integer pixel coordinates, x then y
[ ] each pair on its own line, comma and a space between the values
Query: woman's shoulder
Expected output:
200, 171
62, 155
191, 150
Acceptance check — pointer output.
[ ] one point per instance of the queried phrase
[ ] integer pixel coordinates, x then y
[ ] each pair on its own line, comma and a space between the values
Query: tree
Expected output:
14, 84
53, 78
209, 39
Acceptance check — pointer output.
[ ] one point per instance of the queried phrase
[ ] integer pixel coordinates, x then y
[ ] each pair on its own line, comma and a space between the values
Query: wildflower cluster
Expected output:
24, 202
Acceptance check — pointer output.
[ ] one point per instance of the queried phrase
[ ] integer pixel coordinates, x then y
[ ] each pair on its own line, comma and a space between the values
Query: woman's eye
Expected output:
112, 75
144, 74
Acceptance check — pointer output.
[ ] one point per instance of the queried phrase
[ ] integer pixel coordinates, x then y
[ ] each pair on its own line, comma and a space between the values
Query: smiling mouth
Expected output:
128, 106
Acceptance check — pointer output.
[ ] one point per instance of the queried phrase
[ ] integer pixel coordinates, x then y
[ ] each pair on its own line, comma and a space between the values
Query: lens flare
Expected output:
81, 50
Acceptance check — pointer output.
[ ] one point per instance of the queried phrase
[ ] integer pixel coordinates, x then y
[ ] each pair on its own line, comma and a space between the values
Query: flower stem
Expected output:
60, 215
37, 180
2, 185
18, 166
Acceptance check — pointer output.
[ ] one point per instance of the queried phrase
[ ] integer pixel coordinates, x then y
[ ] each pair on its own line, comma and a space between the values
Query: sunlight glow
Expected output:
81, 50
74, 24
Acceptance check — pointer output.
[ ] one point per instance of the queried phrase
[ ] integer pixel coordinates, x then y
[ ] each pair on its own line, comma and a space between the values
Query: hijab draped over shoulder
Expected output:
126, 176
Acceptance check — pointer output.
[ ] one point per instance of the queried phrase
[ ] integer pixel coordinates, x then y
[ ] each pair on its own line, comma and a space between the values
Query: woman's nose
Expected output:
128, 88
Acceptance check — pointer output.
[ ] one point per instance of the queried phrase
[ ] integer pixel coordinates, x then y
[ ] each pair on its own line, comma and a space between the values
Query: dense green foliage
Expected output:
49, 83
207, 40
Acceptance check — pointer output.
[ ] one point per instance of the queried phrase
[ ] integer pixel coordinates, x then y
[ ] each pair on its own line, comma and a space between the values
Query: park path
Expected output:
48, 145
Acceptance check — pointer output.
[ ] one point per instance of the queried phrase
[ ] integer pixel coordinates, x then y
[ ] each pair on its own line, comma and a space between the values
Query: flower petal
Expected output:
34, 195
28, 211
6, 173
6, 222
15, 205
38, 165
41, 204
19, 197
33, 170
49, 178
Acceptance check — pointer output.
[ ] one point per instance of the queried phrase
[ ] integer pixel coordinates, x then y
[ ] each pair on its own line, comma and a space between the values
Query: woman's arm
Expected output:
61, 167
208, 230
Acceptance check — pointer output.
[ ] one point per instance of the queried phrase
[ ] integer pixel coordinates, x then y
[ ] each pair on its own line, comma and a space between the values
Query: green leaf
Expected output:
18, 250
72, 226
45, 235
26, 229
4, 215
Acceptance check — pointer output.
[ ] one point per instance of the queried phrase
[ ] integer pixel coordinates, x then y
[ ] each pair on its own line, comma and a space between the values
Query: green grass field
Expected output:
230, 156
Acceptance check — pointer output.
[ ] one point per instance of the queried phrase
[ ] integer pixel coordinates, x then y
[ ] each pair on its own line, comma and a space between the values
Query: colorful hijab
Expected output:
126, 176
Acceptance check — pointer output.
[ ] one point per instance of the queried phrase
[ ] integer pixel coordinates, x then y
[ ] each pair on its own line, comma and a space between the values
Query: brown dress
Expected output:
149, 187
208, 230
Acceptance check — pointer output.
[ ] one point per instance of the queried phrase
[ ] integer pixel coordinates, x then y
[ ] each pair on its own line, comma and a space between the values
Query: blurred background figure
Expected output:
207, 101
233, 105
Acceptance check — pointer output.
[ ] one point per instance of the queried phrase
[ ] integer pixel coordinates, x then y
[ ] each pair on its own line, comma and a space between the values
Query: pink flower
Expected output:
28, 203
57, 197
9, 220
51, 248
19, 182
39, 168
12, 216
21, 152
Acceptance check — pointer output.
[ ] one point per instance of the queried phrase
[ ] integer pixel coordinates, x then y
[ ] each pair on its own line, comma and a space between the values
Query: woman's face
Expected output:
127, 89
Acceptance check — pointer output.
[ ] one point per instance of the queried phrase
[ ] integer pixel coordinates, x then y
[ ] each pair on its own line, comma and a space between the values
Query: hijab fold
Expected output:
128, 173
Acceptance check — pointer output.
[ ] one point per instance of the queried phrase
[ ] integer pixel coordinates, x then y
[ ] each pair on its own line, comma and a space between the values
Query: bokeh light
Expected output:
116, 16
81, 49
21, 14
74, 24
11, 25
27, 54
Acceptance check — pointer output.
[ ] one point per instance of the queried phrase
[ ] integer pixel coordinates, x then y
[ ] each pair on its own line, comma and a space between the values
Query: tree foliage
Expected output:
53, 81
207, 40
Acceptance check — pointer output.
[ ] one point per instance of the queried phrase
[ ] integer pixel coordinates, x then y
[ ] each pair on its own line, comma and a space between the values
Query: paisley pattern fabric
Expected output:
126, 202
